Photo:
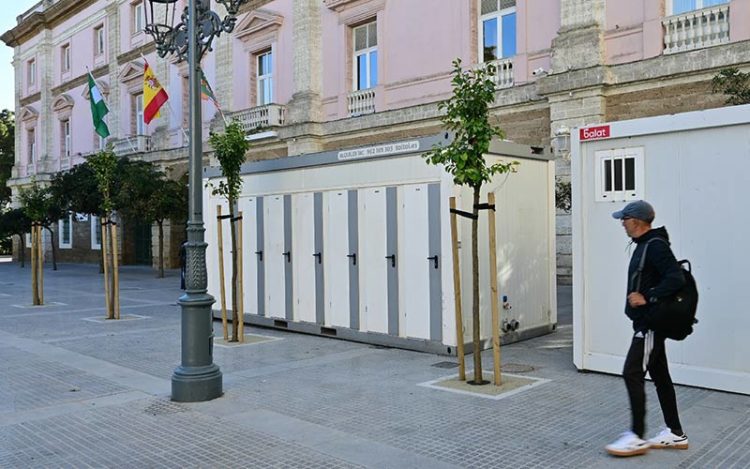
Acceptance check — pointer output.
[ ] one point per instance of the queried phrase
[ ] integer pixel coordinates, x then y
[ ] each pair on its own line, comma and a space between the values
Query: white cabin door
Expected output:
374, 264
274, 258
303, 248
249, 209
336, 260
414, 285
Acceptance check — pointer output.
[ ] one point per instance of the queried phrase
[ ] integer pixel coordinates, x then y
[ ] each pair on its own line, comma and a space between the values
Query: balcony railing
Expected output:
503, 77
132, 144
260, 117
696, 29
361, 102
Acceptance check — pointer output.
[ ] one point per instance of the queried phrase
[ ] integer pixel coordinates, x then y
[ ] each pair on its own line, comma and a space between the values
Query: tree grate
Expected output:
445, 365
164, 407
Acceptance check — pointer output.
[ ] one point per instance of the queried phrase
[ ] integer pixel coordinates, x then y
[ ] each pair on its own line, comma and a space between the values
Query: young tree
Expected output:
230, 148
104, 168
43, 208
467, 116
734, 84
37, 204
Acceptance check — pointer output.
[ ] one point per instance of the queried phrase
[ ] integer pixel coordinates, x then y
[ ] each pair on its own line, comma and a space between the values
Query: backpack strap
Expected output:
643, 259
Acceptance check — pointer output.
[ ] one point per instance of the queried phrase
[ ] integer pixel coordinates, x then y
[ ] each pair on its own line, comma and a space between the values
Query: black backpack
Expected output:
674, 316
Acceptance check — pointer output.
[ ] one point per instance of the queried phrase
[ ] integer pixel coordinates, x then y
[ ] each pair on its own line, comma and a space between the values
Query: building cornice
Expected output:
47, 19
668, 66
136, 53
98, 72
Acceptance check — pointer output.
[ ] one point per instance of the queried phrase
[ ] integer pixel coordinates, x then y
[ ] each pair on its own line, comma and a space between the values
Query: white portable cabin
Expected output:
694, 168
356, 244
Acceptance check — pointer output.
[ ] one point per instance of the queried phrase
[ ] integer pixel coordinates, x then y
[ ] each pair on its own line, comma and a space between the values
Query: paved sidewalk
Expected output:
76, 391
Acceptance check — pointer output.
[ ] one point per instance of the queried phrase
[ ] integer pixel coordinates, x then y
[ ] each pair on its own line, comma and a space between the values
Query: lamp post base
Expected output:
197, 378
196, 384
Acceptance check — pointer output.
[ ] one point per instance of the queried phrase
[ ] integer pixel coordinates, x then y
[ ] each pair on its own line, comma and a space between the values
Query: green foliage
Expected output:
12, 222
77, 190
467, 116
146, 194
104, 165
7, 152
230, 147
39, 205
734, 84
562, 195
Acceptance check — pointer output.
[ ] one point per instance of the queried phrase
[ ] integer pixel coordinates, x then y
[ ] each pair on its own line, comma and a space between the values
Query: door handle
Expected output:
288, 255
353, 257
435, 259
392, 257
319, 256
260, 255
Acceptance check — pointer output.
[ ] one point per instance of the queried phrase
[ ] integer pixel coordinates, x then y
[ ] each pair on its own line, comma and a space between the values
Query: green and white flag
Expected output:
98, 108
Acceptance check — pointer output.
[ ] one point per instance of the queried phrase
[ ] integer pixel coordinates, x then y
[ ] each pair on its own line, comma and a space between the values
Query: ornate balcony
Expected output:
260, 117
503, 77
361, 102
696, 29
132, 144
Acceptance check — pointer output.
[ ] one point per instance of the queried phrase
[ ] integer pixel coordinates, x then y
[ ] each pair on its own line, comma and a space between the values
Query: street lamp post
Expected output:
197, 378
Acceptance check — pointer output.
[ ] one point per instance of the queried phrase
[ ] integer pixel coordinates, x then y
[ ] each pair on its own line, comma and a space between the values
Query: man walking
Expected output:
657, 277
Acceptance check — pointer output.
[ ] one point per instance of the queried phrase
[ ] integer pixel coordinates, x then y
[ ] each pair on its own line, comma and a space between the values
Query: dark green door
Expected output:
143, 244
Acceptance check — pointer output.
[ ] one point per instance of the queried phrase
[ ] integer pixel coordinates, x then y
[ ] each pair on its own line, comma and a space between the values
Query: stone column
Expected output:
305, 106
575, 92
113, 50
579, 43
46, 75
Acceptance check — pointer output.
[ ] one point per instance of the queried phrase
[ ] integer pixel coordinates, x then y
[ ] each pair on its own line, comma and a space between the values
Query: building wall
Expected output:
578, 62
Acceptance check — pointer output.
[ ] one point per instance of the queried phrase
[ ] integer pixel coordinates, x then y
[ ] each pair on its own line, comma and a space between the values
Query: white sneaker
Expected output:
628, 445
667, 439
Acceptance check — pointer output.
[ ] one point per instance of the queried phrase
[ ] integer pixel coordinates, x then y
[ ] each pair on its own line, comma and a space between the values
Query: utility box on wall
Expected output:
694, 169
356, 244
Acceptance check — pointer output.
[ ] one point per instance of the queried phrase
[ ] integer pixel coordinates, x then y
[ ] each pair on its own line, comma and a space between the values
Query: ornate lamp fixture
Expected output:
197, 378
171, 38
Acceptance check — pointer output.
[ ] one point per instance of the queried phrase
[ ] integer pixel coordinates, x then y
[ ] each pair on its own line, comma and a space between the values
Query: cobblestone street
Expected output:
78, 391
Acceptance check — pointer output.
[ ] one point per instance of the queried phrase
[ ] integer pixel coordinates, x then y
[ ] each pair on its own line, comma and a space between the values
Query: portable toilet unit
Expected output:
356, 244
693, 168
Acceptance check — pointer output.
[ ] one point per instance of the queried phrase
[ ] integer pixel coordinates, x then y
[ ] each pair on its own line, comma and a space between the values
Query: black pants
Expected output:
635, 375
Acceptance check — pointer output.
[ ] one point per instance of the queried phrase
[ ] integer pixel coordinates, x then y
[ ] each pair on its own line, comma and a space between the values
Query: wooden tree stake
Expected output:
240, 298
34, 283
457, 294
105, 264
220, 244
115, 272
493, 289
40, 259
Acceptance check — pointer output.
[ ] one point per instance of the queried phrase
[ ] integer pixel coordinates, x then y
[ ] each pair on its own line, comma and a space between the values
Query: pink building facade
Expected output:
319, 75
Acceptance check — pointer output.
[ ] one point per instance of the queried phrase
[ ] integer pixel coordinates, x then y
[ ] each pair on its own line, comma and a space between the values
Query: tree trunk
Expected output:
54, 250
235, 271
161, 248
476, 339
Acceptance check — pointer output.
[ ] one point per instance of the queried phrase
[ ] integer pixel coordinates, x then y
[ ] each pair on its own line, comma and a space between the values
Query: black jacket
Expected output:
661, 276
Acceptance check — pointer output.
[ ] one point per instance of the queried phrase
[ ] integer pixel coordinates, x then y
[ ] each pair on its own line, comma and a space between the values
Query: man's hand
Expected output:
635, 300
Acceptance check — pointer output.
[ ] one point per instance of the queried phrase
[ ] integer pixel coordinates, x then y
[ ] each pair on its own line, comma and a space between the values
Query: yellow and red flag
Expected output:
153, 95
